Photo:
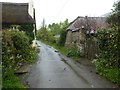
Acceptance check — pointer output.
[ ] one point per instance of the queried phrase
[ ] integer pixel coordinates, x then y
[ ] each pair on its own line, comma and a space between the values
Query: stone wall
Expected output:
74, 37
68, 39
86, 45
78, 33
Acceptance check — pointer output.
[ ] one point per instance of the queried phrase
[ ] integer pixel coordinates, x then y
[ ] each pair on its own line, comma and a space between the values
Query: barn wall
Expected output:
68, 39
88, 46
91, 48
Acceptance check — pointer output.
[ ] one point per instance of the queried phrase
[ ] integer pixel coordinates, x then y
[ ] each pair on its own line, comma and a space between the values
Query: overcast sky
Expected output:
58, 10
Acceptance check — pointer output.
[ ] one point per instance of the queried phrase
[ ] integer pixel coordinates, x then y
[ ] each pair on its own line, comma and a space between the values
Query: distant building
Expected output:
82, 27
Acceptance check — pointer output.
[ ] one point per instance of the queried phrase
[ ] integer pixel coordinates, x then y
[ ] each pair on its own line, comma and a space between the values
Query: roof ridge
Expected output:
11, 3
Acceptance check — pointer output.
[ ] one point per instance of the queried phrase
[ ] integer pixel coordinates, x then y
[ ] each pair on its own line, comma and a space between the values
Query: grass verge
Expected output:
70, 52
111, 73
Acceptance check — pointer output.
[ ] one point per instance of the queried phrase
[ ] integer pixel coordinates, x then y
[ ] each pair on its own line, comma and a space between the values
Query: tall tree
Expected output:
57, 28
43, 24
114, 18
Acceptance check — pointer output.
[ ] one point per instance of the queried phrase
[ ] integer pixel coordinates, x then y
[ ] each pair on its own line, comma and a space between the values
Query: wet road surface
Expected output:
54, 70
51, 72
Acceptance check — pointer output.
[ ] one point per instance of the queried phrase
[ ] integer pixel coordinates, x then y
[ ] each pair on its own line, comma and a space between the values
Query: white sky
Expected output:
58, 10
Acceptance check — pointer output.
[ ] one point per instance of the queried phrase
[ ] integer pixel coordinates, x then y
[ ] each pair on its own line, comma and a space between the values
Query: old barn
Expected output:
81, 32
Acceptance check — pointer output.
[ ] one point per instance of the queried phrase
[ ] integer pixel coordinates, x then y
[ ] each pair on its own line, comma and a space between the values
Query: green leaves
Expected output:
20, 40
73, 52
62, 38
16, 48
28, 29
108, 44
57, 28
45, 35
108, 62
114, 19
15, 51
10, 80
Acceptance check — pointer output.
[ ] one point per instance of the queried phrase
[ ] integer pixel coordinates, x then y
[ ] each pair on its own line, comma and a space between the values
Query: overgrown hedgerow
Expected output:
16, 50
107, 63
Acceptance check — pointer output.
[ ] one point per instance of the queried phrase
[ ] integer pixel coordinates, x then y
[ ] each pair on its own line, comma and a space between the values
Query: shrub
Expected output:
45, 35
108, 45
107, 63
73, 52
8, 50
62, 38
16, 49
110, 73
28, 29
10, 80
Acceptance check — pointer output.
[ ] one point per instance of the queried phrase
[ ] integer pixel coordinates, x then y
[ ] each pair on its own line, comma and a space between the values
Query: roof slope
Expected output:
90, 22
15, 13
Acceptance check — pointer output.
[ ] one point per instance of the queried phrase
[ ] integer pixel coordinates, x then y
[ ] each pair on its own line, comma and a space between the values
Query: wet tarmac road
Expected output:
51, 72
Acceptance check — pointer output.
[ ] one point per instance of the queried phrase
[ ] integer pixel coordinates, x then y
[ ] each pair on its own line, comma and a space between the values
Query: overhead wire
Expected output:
61, 9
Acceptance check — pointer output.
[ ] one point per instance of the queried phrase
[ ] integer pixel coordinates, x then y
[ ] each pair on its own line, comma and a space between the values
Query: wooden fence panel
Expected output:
91, 48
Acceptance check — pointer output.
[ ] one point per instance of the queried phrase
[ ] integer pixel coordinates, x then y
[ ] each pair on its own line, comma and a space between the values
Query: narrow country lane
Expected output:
54, 70
51, 72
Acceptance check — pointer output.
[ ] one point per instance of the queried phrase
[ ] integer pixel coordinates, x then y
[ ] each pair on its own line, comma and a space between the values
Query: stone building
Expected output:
82, 27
